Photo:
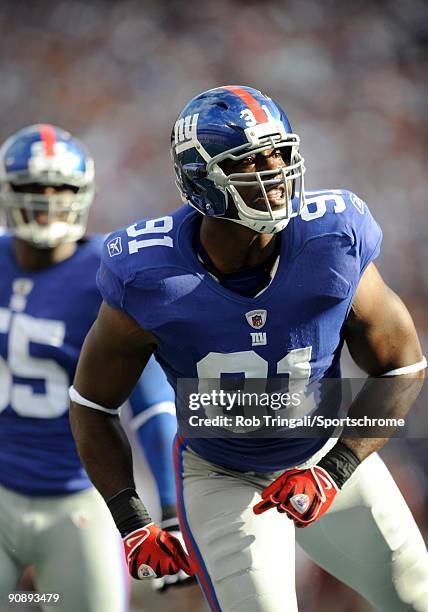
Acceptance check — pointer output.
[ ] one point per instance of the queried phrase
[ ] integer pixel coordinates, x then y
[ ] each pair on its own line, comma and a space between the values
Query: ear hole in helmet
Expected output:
190, 185
222, 105
196, 188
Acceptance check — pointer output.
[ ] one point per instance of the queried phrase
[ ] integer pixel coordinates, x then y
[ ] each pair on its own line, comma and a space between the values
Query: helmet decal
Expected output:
257, 112
48, 136
51, 155
186, 132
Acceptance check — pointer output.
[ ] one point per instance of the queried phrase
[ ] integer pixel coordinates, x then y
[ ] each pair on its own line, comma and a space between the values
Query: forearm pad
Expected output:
128, 511
340, 463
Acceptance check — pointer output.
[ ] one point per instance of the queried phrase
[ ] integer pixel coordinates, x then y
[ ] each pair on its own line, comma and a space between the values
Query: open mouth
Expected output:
275, 196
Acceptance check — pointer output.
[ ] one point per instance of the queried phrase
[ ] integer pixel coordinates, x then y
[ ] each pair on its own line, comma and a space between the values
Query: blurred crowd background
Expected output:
350, 75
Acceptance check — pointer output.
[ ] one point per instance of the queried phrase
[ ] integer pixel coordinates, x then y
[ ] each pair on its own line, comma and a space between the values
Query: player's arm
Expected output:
155, 424
113, 356
383, 341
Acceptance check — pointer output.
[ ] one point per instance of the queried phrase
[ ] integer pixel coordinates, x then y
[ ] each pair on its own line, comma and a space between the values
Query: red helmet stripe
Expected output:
47, 133
250, 101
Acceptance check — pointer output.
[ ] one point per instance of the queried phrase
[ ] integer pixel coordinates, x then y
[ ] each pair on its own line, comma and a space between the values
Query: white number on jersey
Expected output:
296, 364
320, 202
22, 330
163, 225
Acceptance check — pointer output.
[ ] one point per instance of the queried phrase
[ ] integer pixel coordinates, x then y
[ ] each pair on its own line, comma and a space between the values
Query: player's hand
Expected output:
152, 553
175, 580
303, 495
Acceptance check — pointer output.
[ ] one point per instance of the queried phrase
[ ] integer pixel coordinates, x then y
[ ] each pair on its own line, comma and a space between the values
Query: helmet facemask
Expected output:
66, 215
288, 178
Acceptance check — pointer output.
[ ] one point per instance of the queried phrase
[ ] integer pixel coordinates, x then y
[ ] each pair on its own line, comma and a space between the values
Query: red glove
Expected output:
151, 552
304, 495
175, 580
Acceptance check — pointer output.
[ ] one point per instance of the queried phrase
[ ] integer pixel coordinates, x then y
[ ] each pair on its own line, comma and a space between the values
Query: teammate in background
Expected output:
50, 515
194, 288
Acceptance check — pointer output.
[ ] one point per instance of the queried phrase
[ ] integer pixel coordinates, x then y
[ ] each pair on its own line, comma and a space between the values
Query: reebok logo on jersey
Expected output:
300, 502
114, 246
256, 318
358, 203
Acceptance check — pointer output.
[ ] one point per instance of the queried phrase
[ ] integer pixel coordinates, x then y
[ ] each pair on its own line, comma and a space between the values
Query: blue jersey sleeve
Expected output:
367, 231
110, 286
113, 273
368, 234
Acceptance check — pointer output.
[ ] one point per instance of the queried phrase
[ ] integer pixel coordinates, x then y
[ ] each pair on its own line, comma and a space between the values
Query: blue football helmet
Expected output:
32, 161
231, 123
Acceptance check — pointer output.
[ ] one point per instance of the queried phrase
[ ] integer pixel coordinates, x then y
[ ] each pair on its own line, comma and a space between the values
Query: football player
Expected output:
50, 515
253, 251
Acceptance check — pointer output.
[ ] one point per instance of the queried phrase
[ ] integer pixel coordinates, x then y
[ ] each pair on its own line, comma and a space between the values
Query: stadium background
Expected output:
351, 76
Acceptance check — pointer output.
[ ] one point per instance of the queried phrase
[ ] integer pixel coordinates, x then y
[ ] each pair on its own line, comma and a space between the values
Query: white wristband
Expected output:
410, 369
79, 399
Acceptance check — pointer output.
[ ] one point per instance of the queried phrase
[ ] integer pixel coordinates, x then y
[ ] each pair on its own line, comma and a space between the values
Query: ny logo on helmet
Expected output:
186, 132
60, 159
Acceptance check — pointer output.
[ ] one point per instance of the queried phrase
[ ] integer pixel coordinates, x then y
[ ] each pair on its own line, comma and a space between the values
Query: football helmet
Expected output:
231, 123
33, 160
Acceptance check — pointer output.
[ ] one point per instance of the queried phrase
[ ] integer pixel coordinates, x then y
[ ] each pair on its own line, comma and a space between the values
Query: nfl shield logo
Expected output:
256, 318
300, 502
22, 286
145, 571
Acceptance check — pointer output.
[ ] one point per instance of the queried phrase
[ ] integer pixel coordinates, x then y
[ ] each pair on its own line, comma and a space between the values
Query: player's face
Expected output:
271, 160
42, 216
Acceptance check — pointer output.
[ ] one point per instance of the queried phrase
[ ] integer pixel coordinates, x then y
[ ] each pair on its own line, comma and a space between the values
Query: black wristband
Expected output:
340, 463
128, 511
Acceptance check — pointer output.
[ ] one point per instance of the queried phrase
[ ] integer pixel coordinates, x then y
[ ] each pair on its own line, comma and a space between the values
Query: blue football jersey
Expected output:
44, 318
150, 271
